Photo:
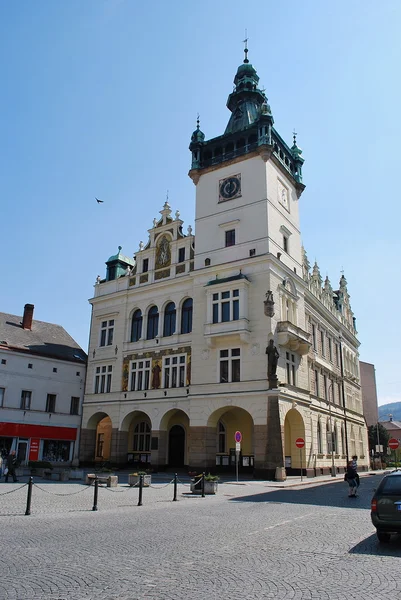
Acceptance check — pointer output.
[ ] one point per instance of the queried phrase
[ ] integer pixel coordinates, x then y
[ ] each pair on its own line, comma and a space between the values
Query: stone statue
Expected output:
156, 376
269, 304
98, 279
128, 272
272, 360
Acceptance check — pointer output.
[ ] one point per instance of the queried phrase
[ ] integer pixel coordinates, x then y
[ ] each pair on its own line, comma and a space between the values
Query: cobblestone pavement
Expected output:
252, 540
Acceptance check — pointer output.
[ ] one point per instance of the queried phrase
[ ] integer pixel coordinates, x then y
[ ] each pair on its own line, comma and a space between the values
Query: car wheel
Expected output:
383, 536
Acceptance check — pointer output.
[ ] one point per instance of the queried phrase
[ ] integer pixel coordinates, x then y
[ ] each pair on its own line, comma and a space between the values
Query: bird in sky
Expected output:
98, 201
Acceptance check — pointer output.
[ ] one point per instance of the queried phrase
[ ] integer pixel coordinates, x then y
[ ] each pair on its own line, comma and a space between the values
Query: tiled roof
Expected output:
391, 424
45, 339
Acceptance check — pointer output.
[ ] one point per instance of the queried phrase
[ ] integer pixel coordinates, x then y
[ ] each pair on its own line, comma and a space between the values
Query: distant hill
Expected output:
390, 409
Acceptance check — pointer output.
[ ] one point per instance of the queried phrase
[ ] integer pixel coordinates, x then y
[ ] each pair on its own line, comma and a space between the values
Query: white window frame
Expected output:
229, 358
291, 368
174, 371
106, 328
72, 404
103, 379
24, 395
140, 374
233, 299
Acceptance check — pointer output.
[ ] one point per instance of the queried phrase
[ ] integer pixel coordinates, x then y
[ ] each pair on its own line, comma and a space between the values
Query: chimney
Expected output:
28, 316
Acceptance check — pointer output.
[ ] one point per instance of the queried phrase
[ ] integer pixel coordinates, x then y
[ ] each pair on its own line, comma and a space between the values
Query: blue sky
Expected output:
100, 98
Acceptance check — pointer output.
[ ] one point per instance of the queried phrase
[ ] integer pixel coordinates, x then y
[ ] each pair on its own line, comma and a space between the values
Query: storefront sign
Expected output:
34, 449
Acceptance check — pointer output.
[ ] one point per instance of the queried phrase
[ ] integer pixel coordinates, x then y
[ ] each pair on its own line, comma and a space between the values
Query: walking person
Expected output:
355, 465
350, 477
12, 464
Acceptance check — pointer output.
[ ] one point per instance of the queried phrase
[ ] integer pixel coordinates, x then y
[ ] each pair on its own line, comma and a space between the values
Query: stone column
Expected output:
119, 446
202, 448
87, 446
159, 454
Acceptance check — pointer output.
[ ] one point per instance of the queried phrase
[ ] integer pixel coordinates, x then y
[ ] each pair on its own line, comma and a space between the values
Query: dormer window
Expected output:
181, 255
145, 265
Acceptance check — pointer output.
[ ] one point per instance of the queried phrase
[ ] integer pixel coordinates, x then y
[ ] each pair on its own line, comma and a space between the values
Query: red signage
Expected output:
393, 443
34, 449
300, 442
44, 432
238, 437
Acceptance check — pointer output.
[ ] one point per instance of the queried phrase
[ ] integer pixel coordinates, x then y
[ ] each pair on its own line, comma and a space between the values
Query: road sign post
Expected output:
300, 443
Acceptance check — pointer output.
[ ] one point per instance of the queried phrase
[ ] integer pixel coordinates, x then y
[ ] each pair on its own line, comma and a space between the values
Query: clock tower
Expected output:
248, 183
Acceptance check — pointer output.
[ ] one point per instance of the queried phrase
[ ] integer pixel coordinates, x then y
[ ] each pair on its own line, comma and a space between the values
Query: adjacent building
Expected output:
199, 337
42, 378
369, 392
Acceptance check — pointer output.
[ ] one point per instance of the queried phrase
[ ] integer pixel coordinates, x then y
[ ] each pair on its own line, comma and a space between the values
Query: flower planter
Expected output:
134, 480
210, 487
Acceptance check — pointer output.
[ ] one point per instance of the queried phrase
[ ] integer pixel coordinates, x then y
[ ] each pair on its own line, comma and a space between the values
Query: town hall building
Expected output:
227, 328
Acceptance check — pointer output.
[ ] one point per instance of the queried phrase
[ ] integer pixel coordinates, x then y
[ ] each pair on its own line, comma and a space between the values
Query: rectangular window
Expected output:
290, 368
140, 375
230, 237
145, 265
339, 394
2, 392
78, 373
322, 336
54, 369
225, 306
337, 356
230, 365
325, 387
330, 350
3, 361
30, 366
74, 407
26, 397
314, 337
106, 333
285, 243
317, 390
51, 403
103, 379
174, 371
181, 255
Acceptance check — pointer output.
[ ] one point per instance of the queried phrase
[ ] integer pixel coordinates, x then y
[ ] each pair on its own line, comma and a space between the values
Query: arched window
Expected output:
335, 440
221, 437
142, 437
153, 323
186, 316
169, 319
136, 326
319, 438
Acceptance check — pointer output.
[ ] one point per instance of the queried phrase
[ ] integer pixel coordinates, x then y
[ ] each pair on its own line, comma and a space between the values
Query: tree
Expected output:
383, 437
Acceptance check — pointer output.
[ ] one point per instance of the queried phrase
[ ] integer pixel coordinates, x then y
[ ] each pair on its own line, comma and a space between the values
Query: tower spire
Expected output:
245, 41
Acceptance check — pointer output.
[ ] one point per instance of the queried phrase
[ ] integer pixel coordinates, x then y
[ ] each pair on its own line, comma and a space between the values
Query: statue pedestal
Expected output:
281, 474
273, 382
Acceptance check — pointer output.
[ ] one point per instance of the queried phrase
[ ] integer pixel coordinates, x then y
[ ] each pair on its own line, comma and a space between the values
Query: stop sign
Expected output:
300, 442
393, 443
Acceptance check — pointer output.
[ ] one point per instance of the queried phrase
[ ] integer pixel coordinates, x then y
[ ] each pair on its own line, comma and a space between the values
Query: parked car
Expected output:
386, 506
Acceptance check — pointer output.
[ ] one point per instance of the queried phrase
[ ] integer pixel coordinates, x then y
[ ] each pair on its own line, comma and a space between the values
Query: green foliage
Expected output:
384, 437
210, 477
40, 464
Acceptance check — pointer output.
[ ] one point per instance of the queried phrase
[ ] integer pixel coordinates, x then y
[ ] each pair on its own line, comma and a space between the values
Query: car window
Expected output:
391, 485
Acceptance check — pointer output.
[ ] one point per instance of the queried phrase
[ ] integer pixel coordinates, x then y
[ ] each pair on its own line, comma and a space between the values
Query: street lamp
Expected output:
333, 469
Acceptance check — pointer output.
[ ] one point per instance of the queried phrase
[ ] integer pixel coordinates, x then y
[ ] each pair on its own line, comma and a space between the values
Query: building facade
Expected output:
42, 379
369, 392
232, 331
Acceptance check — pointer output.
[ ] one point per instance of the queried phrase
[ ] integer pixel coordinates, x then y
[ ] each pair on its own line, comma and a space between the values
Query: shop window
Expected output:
56, 451
142, 437
26, 397
51, 403
107, 333
74, 407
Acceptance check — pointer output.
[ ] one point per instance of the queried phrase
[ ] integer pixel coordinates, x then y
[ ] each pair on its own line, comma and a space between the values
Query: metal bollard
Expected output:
175, 487
203, 484
140, 490
29, 497
95, 494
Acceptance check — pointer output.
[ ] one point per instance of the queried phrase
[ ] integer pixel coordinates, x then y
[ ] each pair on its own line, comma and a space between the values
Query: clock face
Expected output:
230, 188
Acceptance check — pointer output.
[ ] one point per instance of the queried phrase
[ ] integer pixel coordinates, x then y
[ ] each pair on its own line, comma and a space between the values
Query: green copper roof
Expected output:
121, 258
